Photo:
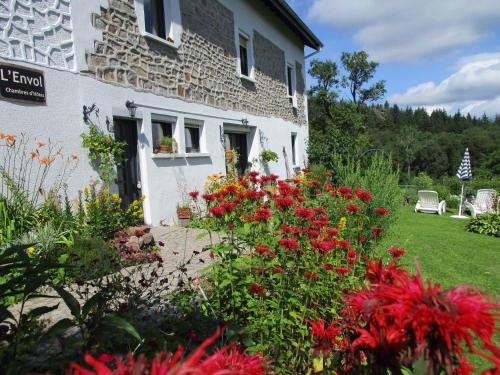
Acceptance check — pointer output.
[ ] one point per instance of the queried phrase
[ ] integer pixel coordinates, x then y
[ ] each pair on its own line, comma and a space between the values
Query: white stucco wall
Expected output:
61, 120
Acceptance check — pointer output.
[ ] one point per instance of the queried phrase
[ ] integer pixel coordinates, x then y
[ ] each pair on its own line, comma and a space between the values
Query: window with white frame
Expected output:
192, 134
245, 56
163, 130
155, 18
160, 20
294, 149
290, 80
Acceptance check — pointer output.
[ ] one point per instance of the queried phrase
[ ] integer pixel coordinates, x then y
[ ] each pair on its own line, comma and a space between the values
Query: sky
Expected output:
432, 53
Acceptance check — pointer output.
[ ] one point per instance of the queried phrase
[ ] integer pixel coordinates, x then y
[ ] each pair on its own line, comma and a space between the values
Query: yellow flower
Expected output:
86, 190
115, 197
30, 250
342, 223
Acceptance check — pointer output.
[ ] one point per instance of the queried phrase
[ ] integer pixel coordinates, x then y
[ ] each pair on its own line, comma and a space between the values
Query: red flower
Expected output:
332, 231
161, 243
262, 250
194, 194
217, 210
328, 267
353, 208
304, 213
376, 232
277, 269
365, 196
319, 332
382, 211
230, 226
288, 243
311, 275
395, 252
257, 289
208, 197
342, 271
262, 214
284, 203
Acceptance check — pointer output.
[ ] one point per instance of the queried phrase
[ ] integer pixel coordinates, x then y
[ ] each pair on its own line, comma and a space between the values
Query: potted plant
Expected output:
184, 211
166, 144
267, 155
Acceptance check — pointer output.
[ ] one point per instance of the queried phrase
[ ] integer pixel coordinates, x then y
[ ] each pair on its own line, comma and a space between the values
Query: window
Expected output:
192, 134
163, 128
154, 18
289, 79
244, 56
294, 149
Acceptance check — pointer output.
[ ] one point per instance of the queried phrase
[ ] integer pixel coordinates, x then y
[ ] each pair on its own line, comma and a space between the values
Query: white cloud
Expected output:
474, 87
409, 30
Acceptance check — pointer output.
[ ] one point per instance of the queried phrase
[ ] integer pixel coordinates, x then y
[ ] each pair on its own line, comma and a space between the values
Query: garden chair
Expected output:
485, 201
428, 201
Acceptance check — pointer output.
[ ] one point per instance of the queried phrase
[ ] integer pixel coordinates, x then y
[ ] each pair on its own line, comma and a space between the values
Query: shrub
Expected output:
287, 250
90, 258
423, 181
488, 224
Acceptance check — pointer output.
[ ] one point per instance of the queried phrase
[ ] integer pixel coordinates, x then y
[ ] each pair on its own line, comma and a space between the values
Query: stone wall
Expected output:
37, 31
203, 69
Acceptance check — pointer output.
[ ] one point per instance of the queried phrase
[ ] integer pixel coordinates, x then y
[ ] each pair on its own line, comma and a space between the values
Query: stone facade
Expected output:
37, 31
203, 69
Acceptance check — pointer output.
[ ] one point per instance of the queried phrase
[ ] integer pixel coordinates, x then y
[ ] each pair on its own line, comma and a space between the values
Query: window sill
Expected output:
247, 78
160, 40
162, 155
197, 155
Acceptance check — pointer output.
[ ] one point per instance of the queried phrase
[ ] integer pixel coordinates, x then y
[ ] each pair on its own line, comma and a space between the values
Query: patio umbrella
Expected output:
464, 174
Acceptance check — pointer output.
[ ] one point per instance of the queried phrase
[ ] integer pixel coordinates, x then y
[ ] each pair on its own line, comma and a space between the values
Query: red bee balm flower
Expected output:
262, 214
395, 252
304, 213
257, 289
217, 210
382, 211
353, 208
194, 194
288, 243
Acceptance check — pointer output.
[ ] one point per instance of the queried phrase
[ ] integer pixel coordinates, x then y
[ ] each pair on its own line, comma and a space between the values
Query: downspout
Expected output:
305, 97
312, 53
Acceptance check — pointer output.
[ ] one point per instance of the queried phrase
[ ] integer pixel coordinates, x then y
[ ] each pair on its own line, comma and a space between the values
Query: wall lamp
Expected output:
244, 121
132, 107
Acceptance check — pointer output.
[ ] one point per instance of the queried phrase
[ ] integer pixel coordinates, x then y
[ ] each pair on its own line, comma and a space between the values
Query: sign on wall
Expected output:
18, 83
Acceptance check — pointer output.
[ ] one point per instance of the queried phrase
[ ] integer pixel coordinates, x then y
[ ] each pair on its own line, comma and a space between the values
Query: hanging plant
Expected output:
267, 155
104, 150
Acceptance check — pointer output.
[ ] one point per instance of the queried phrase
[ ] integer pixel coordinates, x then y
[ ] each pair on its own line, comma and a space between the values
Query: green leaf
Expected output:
201, 235
58, 328
114, 321
42, 310
70, 301
93, 301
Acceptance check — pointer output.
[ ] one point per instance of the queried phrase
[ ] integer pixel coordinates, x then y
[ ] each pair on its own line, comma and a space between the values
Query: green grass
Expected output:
447, 254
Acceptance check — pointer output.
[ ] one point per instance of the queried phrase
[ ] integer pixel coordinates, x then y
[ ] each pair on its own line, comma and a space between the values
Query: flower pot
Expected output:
184, 213
164, 148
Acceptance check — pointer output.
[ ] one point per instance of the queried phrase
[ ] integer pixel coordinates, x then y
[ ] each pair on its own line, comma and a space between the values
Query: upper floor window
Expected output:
154, 18
290, 80
245, 56
160, 20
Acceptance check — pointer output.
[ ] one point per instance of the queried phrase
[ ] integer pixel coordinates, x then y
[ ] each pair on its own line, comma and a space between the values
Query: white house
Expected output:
213, 74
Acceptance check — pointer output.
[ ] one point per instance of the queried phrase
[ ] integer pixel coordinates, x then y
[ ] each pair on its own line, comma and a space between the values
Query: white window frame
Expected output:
293, 79
167, 120
192, 123
250, 58
295, 151
173, 26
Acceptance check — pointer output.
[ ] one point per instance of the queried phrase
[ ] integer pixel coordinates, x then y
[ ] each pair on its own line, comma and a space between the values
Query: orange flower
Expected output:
34, 154
40, 144
2, 136
74, 157
11, 138
44, 161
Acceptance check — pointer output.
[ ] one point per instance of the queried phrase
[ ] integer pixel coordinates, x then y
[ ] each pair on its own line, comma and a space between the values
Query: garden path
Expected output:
180, 244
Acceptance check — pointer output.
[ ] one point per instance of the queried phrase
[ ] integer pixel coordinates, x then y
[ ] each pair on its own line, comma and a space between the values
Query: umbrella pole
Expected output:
461, 200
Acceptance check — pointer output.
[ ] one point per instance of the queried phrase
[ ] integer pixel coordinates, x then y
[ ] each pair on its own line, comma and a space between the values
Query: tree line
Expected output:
346, 121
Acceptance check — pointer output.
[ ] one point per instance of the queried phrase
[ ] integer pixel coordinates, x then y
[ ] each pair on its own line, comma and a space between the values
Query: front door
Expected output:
128, 181
238, 143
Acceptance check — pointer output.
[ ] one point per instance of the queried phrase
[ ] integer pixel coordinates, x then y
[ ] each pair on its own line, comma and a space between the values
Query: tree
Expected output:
409, 146
359, 71
326, 75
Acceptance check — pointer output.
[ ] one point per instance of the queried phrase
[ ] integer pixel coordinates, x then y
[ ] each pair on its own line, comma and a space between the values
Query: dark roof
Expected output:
292, 20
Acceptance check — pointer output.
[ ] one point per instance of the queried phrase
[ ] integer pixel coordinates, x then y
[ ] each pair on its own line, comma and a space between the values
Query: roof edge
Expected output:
291, 18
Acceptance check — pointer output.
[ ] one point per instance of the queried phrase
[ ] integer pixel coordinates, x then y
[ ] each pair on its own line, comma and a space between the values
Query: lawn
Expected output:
446, 252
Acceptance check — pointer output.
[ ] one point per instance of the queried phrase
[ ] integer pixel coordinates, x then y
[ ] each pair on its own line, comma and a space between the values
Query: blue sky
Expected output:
432, 53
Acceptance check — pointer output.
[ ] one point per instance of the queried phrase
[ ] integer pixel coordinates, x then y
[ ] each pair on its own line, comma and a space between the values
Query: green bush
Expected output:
488, 224
90, 258
423, 181
378, 176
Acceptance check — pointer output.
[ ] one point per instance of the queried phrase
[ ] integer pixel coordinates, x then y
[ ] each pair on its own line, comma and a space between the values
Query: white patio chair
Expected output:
486, 200
428, 201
